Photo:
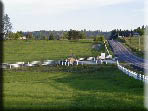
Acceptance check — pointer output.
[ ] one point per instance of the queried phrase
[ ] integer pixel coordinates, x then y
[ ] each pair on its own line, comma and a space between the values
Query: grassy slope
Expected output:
133, 44
104, 88
109, 48
17, 50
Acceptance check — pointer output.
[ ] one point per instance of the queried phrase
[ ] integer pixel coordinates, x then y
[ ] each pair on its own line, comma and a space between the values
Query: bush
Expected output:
99, 38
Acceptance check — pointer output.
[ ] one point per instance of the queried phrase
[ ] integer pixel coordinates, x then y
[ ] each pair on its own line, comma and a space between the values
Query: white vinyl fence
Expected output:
77, 62
132, 74
106, 49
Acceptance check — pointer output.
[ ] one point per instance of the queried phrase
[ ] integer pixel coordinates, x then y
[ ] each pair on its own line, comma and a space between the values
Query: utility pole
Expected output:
130, 37
139, 43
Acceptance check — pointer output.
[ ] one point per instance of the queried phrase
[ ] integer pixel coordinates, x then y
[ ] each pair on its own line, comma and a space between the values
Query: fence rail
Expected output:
77, 62
132, 73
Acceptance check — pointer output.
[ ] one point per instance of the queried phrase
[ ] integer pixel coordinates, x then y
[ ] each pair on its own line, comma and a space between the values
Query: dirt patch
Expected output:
97, 46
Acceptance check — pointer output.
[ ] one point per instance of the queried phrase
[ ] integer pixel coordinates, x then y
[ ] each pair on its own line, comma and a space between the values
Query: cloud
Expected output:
37, 14
55, 6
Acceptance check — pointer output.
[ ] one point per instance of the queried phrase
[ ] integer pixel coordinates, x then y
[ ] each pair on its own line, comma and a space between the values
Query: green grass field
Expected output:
18, 50
90, 87
62, 88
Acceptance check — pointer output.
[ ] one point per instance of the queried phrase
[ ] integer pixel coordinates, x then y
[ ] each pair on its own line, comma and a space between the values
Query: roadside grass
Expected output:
96, 52
101, 87
133, 44
109, 49
131, 67
19, 50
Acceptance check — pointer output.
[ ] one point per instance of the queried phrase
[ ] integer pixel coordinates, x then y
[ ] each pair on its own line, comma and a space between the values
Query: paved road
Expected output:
125, 55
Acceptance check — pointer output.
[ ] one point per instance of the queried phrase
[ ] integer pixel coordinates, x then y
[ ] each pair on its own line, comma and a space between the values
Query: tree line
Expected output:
128, 33
82, 34
47, 35
70, 35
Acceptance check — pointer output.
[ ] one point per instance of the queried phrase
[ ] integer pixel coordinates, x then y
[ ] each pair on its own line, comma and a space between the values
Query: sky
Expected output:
105, 15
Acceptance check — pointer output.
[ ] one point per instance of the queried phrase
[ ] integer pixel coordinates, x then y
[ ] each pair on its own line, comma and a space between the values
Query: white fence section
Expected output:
109, 56
106, 48
90, 60
132, 74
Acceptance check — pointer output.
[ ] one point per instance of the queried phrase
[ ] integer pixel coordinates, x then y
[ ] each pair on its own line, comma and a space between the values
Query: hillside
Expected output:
135, 44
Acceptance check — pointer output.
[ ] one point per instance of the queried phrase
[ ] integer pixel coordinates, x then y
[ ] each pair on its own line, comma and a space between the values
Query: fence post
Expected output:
129, 73
10, 66
132, 74
101, 61
94, 59
119, 67
68, 63
65, 63
143, 77
137, 76
122, 69
117, 62
140, 76
126, 71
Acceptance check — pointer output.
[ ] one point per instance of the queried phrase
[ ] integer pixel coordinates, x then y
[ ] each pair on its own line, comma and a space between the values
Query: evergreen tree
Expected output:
51, 37
65, 35
82, 35
6, 25
73, 35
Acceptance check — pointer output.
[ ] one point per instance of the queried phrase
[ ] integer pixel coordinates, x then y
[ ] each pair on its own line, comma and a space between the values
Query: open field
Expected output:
60, 88
19, 50
89, 87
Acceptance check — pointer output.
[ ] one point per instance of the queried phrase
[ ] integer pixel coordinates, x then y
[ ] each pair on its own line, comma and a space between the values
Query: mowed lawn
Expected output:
19, 50
100, 87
